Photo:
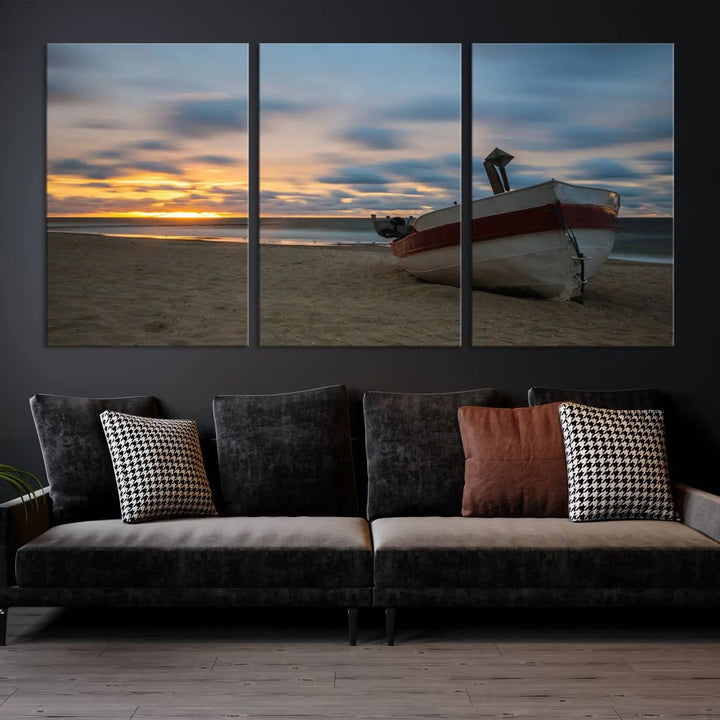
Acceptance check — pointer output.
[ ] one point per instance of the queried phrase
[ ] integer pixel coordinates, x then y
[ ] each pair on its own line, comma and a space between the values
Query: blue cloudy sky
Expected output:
360, 128
161, 129
584, 113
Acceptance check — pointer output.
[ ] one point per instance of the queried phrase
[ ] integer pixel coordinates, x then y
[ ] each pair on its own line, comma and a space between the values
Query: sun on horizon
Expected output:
174, 215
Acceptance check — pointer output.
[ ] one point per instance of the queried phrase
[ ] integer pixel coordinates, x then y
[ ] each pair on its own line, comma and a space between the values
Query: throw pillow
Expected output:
415, 459
158, 467
628, 399
616, 463
286, 454
77, 462
514, 462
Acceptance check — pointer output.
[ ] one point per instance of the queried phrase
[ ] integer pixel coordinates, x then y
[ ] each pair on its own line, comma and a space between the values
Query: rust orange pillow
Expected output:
514, 462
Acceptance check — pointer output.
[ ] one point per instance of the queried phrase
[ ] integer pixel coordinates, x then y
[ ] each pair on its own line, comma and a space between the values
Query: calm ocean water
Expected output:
639, 239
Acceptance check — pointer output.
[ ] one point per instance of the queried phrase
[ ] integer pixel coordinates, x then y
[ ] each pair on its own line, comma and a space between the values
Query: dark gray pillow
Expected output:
629, 399
286, 454
76, 455
415, 458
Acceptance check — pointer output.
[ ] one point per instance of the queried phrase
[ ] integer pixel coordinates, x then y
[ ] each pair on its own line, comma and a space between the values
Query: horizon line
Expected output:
245, 217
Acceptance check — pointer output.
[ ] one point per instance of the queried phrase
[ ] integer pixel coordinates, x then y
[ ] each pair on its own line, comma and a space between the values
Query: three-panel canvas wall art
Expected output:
360, 195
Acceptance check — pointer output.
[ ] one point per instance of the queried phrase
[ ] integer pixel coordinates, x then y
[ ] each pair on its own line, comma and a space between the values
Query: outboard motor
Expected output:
393, 228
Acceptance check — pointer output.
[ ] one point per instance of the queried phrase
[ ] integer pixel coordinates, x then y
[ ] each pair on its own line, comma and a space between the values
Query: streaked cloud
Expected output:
164, 168
428, 171
113, 154
354, 176
203, 118
215, 159
80, 168
661, 162
225, 191
605, 168
373, 138
156, 145
427, 110
284, 106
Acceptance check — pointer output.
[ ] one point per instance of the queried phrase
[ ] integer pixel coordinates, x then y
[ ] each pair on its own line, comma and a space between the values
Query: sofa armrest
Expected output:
19, 524
699, 509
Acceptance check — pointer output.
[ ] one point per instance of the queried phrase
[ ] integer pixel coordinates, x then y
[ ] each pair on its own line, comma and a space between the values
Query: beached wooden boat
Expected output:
547, 239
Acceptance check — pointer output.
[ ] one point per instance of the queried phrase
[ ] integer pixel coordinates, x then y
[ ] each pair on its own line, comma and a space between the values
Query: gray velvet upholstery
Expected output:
286, 454
432, 552
415, 458
188, 597
19, 524
541, 597
77, 461
699, 509
232, 552
628, 399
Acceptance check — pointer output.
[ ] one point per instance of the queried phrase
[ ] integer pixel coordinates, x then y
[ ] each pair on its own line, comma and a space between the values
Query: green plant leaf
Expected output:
22, 481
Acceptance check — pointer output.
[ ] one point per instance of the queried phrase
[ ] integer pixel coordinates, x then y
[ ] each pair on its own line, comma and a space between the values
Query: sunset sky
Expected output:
355, 129
156, 129
161, 129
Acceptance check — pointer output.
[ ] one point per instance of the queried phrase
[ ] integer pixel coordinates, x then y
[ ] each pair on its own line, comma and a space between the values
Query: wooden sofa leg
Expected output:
3, 625
390, 625
352, 625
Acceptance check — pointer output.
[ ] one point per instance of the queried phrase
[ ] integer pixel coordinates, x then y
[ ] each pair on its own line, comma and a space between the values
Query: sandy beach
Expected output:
105, 291
140, 291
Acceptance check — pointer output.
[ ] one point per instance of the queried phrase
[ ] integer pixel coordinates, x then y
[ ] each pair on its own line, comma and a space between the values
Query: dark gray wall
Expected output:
186, 379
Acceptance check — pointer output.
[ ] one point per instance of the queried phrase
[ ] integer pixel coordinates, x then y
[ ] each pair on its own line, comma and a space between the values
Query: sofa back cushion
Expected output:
286, 454
414, 451
626, 399
77, 460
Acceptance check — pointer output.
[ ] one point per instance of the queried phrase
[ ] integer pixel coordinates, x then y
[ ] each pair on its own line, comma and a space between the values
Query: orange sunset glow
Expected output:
147, 131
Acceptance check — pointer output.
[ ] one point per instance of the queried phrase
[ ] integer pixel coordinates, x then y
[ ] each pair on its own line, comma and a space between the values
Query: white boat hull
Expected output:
547, 240
536, 264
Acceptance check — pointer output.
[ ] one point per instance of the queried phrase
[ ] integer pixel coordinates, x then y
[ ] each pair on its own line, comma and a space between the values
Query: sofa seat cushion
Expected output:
463, 552
200, 552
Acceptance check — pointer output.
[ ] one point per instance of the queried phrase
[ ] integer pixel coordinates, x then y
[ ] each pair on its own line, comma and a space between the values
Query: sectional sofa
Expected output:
469, 503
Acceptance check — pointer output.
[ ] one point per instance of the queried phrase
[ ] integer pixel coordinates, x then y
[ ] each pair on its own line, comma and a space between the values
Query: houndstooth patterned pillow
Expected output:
158, 467
616, 463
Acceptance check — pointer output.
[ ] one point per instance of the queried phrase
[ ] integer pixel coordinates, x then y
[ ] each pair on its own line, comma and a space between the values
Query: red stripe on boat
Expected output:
519, 222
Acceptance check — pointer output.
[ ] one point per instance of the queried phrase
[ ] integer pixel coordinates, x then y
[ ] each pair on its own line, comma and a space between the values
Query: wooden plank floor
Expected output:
168, 665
